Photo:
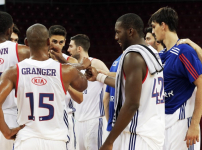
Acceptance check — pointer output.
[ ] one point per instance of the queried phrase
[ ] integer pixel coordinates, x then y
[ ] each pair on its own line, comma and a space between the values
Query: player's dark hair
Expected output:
6, 21
16, 30
82, 40
168, 16
57, 30
149, 30
131, 20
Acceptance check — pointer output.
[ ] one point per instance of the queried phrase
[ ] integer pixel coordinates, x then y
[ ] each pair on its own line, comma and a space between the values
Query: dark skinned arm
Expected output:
7, 83
135, 69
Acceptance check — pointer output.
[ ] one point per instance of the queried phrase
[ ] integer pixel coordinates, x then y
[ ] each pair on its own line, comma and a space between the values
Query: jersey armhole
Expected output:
17, 52
68, 58
61, 79
145, 76
16, 86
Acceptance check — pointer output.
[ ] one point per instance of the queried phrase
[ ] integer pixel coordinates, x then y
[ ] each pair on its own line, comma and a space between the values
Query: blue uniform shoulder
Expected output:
185, 48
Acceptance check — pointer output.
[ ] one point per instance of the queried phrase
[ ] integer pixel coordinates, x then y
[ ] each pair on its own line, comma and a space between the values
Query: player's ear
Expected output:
26, 42
79, 48
131, 31
48, 42
163, 25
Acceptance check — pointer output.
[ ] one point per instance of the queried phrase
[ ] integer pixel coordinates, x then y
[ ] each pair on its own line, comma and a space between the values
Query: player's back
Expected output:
41, 100
8, 58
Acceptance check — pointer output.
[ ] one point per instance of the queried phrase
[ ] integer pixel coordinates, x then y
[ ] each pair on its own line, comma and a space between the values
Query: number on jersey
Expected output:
41, 105
158, 89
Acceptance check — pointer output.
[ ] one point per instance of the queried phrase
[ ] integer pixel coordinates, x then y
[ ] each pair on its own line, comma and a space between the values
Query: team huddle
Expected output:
150, 99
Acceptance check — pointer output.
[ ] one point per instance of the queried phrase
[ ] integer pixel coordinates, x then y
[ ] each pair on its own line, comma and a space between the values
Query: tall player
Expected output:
139, 99
10, 54
41, 84
182, 73
89, 114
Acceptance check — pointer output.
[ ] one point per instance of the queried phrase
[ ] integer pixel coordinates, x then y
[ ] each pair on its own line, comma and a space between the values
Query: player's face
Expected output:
58, 40
158, 30
149, 39
121, 35
14, 37
73, 50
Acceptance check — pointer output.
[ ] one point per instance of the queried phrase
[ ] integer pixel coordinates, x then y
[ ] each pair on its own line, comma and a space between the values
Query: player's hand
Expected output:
91, 73
85, 63
56, 53
192, 135
106, 147
102, 71
183, 41
12, 133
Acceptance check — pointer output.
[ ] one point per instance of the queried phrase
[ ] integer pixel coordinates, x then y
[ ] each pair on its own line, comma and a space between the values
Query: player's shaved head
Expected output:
37, 36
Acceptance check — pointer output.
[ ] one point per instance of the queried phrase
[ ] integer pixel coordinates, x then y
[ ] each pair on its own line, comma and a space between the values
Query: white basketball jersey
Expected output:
92, 105
65, 56
149, 119
69, 103
8, 58
41, 101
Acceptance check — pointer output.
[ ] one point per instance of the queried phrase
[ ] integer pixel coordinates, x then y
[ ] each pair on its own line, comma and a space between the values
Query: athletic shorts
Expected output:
41, 144
131, 141
91, 133
175, 135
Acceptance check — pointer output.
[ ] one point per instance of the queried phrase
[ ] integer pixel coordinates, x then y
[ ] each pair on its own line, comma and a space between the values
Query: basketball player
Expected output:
57, 35
40, 84
182, 73
89, 114
151, 40
15, 34
139, 99
10, 54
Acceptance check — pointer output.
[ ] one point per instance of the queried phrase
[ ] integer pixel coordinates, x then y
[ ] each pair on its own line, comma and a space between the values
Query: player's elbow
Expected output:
133, 107
82, 86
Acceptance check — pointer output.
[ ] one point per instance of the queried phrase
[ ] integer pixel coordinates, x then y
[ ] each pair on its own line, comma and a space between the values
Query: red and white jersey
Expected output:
92, 105
65, 56
41, 101
8, 58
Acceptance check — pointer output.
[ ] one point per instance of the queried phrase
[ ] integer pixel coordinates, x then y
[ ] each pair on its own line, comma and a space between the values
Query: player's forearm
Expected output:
75, 95
197, 109
125, 116
3, 126
110, 81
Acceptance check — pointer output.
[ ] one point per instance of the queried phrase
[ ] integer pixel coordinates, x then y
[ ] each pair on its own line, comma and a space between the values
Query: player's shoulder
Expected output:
184, 48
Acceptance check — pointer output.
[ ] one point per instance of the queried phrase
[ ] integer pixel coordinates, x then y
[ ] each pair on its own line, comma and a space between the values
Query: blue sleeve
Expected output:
190, 66
108, 89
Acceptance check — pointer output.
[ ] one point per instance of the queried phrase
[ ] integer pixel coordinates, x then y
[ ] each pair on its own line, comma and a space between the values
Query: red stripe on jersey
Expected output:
188, 67
17, 52
124, 75
16, 86
194, 71
145, 76
61, 79
68, 58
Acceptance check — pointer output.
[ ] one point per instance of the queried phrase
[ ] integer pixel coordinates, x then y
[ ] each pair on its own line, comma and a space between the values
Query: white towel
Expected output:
154, 65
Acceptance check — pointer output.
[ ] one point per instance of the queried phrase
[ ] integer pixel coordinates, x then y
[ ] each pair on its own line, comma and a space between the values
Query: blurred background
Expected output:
97, 18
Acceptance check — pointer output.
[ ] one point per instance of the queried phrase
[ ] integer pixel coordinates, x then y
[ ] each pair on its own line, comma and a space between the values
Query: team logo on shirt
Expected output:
39, 81
1, 61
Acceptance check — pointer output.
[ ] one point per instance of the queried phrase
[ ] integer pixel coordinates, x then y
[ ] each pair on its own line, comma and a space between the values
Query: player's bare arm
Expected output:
106, 100
7, 83
92, 75
196, 47
133, 87
71, 76
112, 74
75, 95
193, 131
23, 52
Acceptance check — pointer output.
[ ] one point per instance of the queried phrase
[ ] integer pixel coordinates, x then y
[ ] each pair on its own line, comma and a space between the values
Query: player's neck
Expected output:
138, 41
2, 39
83, 54
39, 55
159, 48
170, 40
